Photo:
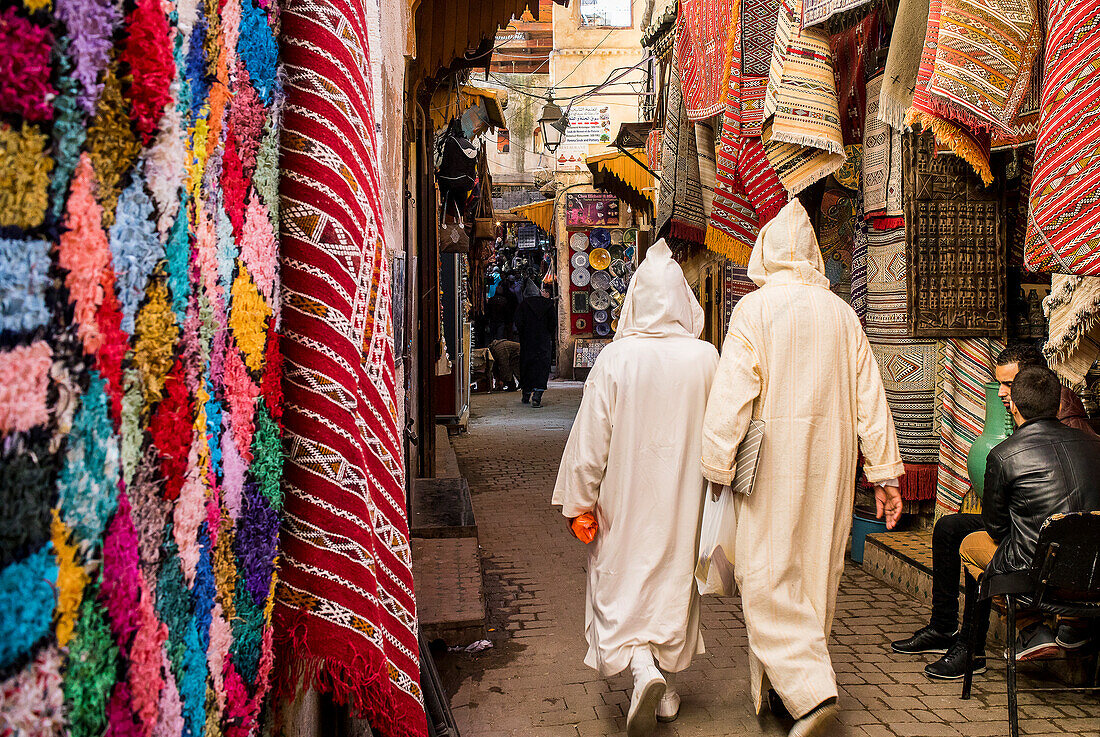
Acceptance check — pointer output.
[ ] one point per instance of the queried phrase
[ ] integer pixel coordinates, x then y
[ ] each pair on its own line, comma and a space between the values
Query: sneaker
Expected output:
817, 721
925, 640
1035, 642
1070, 637
953, 665
649, 687
668, 708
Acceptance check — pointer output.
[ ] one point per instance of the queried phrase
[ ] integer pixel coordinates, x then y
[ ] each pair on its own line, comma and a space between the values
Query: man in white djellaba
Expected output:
633, 461
797, 358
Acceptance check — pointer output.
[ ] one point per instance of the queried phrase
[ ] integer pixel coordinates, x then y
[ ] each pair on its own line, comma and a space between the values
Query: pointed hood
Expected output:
786, 251
659, 302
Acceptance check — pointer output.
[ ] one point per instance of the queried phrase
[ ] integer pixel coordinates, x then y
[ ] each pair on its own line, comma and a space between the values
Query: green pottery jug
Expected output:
998, 426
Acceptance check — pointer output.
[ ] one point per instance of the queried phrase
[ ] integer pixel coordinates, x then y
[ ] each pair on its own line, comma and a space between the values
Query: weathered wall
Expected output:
518, 165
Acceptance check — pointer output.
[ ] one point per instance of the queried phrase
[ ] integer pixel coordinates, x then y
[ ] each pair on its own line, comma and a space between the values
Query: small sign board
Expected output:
585, 352
591, 208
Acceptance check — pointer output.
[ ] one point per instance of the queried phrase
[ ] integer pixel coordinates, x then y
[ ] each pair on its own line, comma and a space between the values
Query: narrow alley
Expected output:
533, 682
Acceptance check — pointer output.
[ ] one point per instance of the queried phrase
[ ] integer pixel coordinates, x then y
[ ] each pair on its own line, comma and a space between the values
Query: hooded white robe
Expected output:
796, 357
633, 459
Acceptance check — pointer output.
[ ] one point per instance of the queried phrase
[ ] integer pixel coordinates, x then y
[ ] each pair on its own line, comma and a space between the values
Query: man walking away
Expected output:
796, 357
632, 460
942, 632
536, 321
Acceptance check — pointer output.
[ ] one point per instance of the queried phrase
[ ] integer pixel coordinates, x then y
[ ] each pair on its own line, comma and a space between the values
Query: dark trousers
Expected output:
947, 535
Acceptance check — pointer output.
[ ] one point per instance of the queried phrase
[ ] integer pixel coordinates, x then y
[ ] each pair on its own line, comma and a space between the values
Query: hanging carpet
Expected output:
882, 164
702, 27
680, 215
1063, 233
816, 12
859, 263
903, 62
835, 235
344, 604
887, 315
1073, 309
802, 134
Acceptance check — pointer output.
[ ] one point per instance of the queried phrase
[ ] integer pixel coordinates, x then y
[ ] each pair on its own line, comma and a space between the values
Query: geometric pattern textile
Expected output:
984, 56
140, 439
344, 604
965, 365
702, 28
802, 132
680, 215
887, 316
817, 12
882, 159
1063, 233
908, 370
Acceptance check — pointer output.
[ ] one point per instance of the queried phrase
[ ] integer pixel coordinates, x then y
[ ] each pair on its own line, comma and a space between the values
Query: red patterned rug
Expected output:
1063, 231
345, 615
701, 31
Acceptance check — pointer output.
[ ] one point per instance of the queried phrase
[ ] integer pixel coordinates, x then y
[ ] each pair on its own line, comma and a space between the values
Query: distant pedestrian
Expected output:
536, 322
796, 358
506, 363
632, 461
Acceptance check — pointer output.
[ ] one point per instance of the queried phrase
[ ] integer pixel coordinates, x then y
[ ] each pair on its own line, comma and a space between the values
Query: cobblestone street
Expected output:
533, 682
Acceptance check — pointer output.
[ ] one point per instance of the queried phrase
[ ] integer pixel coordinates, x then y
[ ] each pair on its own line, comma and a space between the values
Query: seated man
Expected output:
1043, 469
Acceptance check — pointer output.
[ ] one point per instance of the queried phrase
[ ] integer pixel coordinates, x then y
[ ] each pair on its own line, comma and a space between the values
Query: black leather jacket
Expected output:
1044, 468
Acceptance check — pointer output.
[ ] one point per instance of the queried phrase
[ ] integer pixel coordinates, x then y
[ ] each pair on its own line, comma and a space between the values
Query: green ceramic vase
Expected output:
998, 426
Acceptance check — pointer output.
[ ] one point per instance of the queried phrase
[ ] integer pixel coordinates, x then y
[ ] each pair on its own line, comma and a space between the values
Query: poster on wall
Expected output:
587, 124
591, 208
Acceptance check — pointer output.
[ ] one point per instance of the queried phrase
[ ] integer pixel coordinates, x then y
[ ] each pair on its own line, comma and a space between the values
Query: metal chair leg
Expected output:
971, 635
1013, 715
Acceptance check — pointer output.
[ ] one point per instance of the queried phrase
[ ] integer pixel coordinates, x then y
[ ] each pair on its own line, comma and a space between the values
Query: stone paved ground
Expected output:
533, 683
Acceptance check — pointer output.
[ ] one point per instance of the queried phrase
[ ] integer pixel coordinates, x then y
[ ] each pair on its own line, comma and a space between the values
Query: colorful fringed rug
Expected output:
816, 12
882, 167
1073, 309
1063, 232
344, 605
702, 27
965, 365
940, 115
680, 216
984, 56
802, 134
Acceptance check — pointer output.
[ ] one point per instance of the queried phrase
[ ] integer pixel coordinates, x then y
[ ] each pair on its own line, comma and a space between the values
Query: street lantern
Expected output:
552, 123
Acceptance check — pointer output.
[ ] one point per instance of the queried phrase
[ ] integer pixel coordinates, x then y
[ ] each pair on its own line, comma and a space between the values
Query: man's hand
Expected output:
888, 503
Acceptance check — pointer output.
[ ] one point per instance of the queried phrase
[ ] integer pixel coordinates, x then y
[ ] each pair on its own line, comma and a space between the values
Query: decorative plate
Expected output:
599, 258
619, 285
600, 316
601, 280
581, 277
630, 237
619, 268
599, 238
602, 329
616, 237
580, 324
599, 300
579, 260
578, 241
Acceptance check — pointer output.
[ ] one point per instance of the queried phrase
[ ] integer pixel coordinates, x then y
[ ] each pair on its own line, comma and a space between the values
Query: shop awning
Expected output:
539, 213
455, 34
624, 174
451, 103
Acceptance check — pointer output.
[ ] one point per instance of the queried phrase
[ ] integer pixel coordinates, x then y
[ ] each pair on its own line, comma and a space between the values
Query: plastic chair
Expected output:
1064, 580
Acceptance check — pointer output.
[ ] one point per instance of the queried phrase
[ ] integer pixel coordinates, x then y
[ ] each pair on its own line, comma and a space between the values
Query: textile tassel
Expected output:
919, 481
728, 246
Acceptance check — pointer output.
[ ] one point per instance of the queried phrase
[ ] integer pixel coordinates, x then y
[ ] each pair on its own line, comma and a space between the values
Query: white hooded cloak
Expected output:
796, 357
633, 459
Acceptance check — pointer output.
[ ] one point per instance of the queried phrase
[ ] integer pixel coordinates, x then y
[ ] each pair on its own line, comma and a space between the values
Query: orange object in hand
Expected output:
585, 527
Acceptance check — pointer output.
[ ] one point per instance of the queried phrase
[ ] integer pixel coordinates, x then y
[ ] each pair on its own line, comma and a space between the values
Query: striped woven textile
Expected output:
680, 215
702, 27
802, 134
1063, 232
859, 264
816, 12
973, 146
887, 309
965, 365
1074, 311
882, 157
984, 56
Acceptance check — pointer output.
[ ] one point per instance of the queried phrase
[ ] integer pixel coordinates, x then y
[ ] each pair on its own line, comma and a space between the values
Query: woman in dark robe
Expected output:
536, 322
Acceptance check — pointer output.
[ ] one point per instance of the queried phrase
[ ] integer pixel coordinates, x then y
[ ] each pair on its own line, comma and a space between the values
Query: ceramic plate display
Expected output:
616, 237
581, 277
600, 280
599, 258
619, 285
579, 301
578, 241
600, 300
619, 268
617, 300
628, 252
616, 253
580, 324
601, 316
630, 236
579, 260
599, 238
603, 329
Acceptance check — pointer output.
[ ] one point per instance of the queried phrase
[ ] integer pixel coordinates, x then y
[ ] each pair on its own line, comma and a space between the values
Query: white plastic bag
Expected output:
714, 568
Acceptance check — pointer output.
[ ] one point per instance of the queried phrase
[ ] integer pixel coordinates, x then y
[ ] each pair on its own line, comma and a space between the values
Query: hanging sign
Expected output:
591, 208
587, 124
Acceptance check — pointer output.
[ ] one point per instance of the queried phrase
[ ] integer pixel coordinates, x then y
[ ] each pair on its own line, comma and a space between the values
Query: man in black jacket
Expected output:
1045, 468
